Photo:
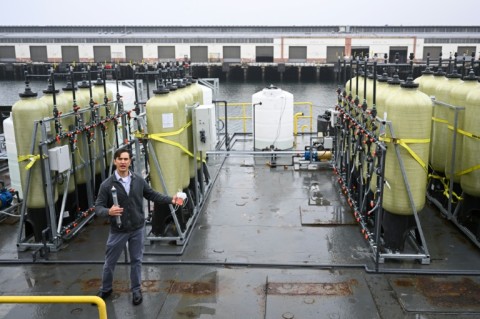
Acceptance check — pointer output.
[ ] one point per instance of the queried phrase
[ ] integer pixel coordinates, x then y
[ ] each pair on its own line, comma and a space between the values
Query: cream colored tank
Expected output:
24, 113
163, 117
440, 122
69, 124
458, 98
410, 112
99, 95
426, 82
179, 95
470, 181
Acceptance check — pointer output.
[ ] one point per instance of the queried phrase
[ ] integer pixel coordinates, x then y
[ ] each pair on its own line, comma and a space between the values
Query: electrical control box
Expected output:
59, 158
328, 142
205, 131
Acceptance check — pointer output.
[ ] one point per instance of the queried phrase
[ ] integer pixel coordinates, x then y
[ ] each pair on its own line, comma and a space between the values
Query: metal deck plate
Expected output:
438, 294
322, 296
325, 215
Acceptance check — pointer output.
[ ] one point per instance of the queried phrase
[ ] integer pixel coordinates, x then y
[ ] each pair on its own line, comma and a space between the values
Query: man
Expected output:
127, 221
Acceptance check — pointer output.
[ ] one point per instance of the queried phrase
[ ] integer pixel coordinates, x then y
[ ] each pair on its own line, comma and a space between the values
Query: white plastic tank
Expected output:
207, 95
127, 93
12, 155
273, 119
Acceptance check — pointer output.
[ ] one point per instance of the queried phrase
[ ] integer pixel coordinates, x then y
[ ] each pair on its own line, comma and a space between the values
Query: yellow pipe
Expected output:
102, 308
295, 122
310, 107
304, 126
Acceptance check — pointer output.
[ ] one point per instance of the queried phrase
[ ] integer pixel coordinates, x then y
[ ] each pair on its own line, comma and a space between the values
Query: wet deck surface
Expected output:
259, 249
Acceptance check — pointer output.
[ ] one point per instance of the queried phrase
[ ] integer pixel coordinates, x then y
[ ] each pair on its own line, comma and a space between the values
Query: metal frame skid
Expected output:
359, 163
69, 157
182, 218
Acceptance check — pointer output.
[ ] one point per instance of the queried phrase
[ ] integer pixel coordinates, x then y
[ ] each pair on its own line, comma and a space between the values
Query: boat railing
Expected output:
241, 116
102, 308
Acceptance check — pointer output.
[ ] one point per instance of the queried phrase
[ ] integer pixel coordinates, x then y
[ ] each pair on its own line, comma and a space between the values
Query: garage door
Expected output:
333, 53
134, 53
297, 54
434, 53
38, 53
102, 54
166, 53
7, 54
199, 53
231, 54
264, 54
70, 54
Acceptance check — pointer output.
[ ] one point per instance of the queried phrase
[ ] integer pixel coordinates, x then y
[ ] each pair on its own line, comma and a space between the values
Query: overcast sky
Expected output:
239, 12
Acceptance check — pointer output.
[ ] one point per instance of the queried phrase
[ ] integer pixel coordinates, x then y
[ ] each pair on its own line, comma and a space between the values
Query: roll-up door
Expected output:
231, 54
264, 54
199, 54
297, 54
7, 54
38, 53
434, 53
333, 53
70, 54
102, 54
134, 53
166, 53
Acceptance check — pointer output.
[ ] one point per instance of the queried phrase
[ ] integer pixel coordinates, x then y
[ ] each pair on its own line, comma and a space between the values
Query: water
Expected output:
321, 94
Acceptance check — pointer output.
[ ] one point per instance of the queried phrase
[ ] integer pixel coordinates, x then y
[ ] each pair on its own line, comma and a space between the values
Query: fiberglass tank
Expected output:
82, 101
183, 98
426, 82
438, 153
273, 119
470, 181
458, 98
24, 113
204, 97
163, 117
410, 112
392, 87
103, 96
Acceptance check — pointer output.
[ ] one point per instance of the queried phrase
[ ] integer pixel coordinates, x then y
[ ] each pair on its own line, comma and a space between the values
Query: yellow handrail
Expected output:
102, 308
295, 122
244, 116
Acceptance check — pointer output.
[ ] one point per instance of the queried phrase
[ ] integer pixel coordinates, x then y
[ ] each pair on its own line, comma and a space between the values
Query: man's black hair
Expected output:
121, 150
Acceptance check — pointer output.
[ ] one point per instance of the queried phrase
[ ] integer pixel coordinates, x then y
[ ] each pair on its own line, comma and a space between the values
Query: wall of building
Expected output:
316, 49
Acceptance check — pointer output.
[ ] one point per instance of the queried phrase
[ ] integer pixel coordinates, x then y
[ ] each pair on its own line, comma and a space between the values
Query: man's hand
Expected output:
115, 210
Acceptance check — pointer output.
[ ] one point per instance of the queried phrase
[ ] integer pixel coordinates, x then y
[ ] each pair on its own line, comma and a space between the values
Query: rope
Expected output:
436, 119
31, 158
471, 135
442, 180
404, 142
160, 137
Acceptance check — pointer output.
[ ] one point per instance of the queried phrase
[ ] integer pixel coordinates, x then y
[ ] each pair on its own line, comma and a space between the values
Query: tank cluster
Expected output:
402, 142
175, 139
62, 143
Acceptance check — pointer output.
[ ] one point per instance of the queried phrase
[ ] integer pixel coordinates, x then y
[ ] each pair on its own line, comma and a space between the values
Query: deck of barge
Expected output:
259, 249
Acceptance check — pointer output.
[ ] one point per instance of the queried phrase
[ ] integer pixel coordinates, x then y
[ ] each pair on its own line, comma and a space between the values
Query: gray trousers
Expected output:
115, 244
